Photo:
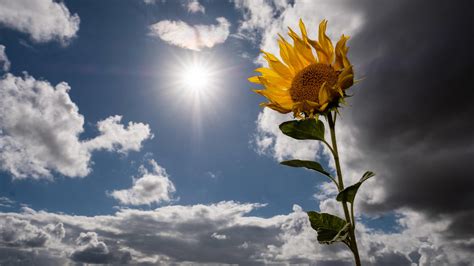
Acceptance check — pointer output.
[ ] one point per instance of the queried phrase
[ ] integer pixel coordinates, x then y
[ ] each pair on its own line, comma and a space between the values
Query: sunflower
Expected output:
305, 83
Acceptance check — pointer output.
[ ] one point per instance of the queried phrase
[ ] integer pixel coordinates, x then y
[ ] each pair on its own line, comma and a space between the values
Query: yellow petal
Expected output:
293, 58
277, 66
272, 86
277, 108
254, 79
302, 48
273, 77
346, 82
325, 41
285, 54
323, 95
346, 78
323, 107
286, 103
313, 104
275, 95
304, 35
324, 47
341, 60
303, 30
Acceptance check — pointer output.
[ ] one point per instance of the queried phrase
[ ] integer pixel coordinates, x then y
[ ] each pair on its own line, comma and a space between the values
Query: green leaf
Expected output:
349, 193
330, 228
366, 176
306, 164
303, 129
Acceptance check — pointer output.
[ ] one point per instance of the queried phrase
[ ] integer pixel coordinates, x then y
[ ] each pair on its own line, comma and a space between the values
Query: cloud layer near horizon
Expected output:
216, 233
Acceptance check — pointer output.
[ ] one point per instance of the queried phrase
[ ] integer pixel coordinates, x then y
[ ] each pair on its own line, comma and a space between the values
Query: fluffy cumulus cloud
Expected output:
193, 37
89, 249
42, 20
394, 124
152, 186
4, 62
40, 128
21, 233
114, 136
222, 233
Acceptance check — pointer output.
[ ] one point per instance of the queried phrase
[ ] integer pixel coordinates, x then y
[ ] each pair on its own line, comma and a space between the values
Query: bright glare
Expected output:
196, 87
196, 78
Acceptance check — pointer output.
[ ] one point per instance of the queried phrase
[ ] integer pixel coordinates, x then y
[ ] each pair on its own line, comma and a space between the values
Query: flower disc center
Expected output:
307, 83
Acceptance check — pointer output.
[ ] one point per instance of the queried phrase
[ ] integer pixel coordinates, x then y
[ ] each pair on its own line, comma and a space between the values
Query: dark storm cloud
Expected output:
413, 110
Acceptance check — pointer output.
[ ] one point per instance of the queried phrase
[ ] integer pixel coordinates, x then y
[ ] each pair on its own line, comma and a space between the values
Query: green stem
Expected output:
329, 146
353, 243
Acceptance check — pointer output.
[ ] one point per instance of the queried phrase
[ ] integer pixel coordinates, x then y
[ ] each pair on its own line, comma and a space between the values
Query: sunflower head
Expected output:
304, 82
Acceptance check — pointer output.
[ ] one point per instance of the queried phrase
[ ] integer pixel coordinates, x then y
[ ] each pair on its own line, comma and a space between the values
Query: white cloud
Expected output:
4, 62
194, 6
150, 2
205, 234
218, 236
256, 15
43, 20
193, 37
40, 128
151, 187
21, 233
263, 20
116, 137
6, 202
90, 249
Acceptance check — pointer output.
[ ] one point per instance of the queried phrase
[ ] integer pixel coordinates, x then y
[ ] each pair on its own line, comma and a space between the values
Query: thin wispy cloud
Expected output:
6, 202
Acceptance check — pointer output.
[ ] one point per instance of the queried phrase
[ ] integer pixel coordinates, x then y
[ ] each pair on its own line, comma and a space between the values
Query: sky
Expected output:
129, 134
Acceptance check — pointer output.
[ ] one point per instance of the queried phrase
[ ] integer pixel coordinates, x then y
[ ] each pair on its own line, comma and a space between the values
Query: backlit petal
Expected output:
341, 60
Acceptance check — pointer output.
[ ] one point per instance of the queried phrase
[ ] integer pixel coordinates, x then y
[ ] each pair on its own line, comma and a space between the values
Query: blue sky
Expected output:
125, 148
108, 76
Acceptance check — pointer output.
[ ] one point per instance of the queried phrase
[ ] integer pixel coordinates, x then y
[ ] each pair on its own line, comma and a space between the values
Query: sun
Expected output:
196, 84
196, 77
196, 87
